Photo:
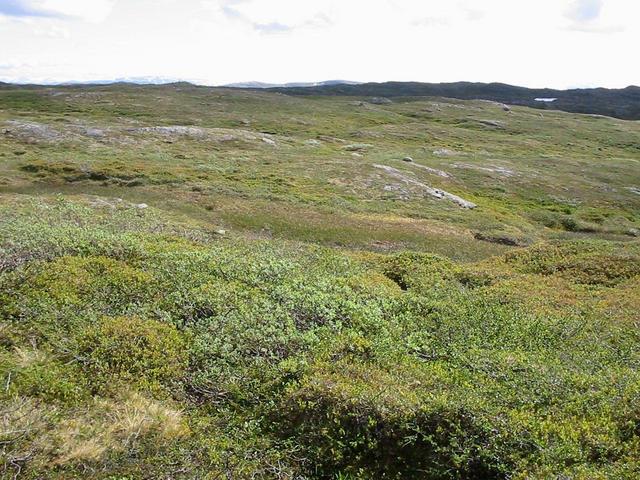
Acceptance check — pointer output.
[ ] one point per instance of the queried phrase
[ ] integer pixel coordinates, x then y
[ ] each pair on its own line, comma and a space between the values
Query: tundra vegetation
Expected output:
214, 283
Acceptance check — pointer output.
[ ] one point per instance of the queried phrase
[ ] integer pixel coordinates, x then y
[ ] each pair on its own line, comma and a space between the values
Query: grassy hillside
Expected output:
212, 283
305, 169
620, 103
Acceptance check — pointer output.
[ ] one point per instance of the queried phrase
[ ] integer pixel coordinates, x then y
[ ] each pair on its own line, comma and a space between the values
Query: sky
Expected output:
534, 43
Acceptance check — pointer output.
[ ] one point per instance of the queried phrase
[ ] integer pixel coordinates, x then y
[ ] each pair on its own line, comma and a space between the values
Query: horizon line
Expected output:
159, 81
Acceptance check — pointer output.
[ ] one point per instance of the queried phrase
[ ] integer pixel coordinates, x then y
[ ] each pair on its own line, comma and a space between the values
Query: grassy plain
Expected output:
347, 323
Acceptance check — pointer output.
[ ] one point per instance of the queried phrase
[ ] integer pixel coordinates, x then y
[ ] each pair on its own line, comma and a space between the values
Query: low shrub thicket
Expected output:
149, 354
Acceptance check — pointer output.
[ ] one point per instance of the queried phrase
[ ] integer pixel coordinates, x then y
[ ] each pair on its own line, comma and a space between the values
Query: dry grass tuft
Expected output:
116, 427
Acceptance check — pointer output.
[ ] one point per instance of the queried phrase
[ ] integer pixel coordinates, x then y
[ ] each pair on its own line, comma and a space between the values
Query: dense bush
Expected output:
360, 420
591, 263
155, 355
141, 352
409, 269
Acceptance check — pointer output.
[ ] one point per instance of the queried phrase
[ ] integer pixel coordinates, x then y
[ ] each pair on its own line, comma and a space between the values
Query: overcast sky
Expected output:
555, 43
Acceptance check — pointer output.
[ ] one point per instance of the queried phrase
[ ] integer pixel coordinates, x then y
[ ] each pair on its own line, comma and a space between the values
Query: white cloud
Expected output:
585, 10
50, 30
602, 16
274, 16
284, 12
528, 42
88, 10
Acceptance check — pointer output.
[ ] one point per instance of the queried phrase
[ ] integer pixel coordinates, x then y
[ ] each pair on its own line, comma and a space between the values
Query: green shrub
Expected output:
411, 269
144, 352
374, 284
372, 424
591, 263
52, 298
295, 361
51, 381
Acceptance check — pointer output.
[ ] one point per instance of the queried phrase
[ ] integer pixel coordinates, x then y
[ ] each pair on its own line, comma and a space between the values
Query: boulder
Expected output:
357, 147
444, 152
94, 132
379, 101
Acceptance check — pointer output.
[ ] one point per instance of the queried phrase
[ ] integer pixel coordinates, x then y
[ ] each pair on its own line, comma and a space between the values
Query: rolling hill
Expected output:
619, 103
208, 283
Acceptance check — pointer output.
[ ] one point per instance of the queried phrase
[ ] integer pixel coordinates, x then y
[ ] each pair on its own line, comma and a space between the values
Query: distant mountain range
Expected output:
620, 103
327, 83
128, 80
170, 80
136, 80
